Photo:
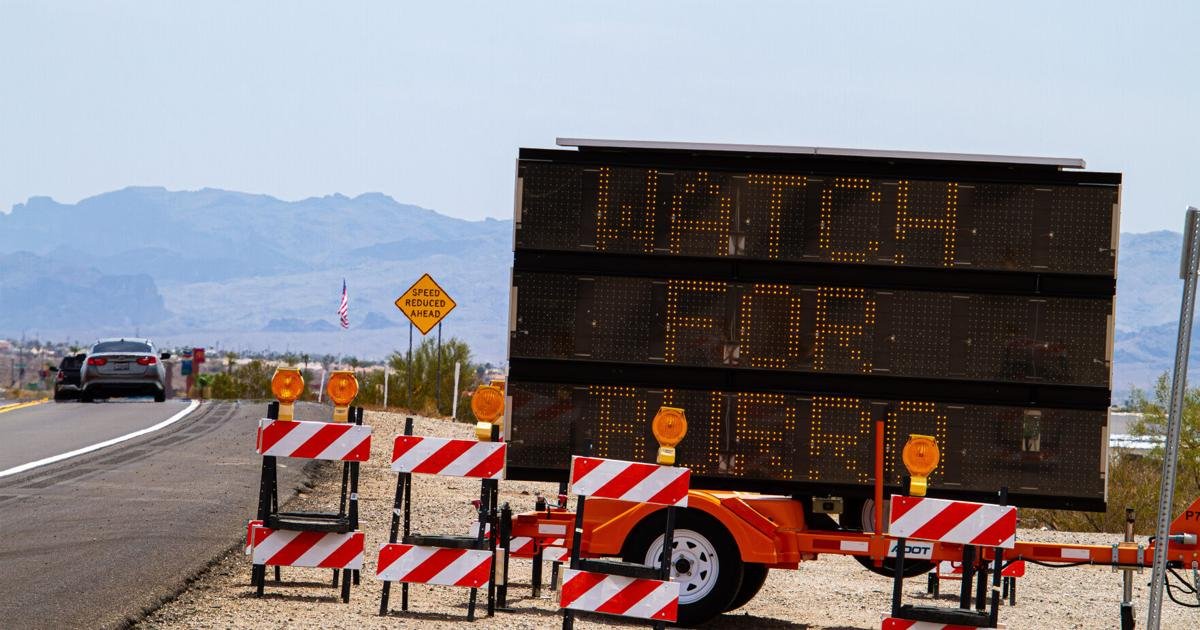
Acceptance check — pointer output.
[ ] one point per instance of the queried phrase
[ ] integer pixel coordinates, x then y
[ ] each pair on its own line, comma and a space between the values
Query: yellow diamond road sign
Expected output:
425, 304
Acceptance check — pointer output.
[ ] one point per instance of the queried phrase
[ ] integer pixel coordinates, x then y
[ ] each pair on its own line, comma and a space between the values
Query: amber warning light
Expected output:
669, 426
487, 403
920, 456
287, 384
342, 389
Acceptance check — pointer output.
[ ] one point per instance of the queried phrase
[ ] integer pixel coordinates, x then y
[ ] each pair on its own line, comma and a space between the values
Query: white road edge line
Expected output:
99, 445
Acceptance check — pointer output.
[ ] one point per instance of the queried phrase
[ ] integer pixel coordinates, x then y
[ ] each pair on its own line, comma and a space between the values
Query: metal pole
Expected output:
385, 384
1189, 258
409, 403
454, 403
1127, 622
439, 370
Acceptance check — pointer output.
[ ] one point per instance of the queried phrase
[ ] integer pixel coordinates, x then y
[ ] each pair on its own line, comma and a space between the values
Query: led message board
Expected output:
786, 302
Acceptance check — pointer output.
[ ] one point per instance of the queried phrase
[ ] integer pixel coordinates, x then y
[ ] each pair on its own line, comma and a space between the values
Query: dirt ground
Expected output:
831, 593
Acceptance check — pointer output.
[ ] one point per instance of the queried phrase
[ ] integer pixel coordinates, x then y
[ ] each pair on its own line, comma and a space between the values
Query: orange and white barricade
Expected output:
463, 561
326, 550
610, 586
309, 539
966, 523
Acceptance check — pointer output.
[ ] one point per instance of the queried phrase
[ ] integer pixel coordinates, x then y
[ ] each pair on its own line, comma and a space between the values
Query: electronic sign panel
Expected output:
787, 302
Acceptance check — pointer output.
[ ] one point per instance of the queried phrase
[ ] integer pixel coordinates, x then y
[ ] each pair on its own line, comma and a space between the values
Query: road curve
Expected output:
94, 540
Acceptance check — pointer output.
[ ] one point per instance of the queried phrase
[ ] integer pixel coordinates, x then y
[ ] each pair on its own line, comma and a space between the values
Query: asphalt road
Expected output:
93, 541
33, 433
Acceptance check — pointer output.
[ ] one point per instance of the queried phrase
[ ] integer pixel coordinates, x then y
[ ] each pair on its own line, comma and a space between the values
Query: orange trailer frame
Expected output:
772, 530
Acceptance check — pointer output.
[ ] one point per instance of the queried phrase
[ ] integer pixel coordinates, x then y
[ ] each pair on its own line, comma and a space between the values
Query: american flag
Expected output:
344, 309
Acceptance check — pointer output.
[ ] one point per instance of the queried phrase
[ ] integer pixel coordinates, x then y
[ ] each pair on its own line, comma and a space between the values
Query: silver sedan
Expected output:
123, 367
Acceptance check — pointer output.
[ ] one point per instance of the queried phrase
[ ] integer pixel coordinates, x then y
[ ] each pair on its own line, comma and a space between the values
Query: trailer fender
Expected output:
616, 519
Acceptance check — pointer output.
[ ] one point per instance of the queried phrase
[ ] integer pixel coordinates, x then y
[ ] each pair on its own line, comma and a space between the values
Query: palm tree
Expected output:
230, 358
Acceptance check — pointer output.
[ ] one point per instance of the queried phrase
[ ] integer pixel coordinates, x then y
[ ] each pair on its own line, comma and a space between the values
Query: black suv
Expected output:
66, 380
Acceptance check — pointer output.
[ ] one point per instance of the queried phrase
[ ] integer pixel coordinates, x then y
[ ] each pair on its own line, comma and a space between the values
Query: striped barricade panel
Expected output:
959, 522
618, 595
250, 535
414, 564
521, 547
307, 549
338, 441
630, 481
892, 623
447, 457
556, 554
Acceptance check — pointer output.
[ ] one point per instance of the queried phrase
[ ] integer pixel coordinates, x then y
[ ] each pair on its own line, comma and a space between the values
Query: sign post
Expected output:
425, 304
1188, 263
438, 376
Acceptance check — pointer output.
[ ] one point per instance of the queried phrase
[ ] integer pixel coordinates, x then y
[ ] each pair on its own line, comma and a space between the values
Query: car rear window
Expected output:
121, 346
71, 363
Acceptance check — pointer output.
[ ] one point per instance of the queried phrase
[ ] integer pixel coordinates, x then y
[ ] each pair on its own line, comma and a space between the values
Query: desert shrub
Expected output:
424, 375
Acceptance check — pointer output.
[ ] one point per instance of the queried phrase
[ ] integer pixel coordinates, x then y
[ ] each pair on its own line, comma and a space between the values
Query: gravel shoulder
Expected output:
832, 593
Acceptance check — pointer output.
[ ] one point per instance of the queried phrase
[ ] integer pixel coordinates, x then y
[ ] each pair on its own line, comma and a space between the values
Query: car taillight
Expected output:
97, 361
147, 360
61, 375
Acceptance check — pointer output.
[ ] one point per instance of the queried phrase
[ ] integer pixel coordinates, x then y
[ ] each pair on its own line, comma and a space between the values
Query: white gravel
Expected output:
833, 592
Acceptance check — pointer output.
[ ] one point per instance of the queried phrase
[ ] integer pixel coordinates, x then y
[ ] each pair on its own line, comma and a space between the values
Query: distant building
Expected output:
1120, 426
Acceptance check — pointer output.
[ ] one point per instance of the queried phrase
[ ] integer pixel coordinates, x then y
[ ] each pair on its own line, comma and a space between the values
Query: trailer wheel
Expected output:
754, 575
706, 562
860, 515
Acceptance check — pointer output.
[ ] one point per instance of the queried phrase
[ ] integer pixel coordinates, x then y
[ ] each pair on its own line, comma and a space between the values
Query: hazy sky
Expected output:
428, 101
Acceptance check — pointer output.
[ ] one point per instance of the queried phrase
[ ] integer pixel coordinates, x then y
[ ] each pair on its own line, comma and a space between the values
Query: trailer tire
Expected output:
859, 515
754, 575
706, 563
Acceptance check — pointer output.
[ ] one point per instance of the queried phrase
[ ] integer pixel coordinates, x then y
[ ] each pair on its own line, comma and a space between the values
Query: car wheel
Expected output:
860, 515
86, 397
705, 562
754, 575
160, 397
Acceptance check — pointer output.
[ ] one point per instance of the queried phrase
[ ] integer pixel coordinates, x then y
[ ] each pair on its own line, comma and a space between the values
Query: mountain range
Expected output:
238, 271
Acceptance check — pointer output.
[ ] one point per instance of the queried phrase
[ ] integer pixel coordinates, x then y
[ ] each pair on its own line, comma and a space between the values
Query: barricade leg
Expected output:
968, 567
981, 586
346, 586
277, 574
505, 533
576, 543
898, 577
407, 478
664, 569
537, 573
488, 496
997, 569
